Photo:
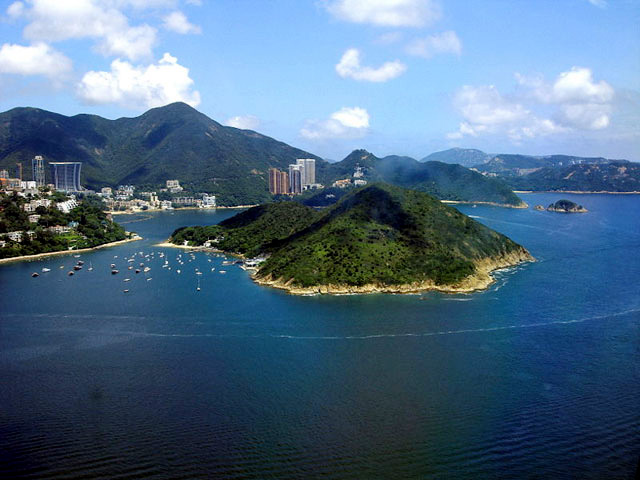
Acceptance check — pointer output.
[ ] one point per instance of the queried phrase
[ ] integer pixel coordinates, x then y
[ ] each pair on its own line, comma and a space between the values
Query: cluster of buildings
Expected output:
65, 177
125, 197
299, 177
31, 207
357, 179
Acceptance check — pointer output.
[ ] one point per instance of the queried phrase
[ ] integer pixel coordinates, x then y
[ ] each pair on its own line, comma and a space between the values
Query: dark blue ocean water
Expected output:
537, 377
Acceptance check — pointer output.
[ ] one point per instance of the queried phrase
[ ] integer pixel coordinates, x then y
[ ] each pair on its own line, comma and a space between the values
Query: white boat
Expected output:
45, 269
127, 280
223, 271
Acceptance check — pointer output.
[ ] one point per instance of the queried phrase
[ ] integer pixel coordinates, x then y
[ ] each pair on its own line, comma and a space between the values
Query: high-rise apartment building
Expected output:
278, 182
296, 173
308, 170
37, 166
274, 173
65, 176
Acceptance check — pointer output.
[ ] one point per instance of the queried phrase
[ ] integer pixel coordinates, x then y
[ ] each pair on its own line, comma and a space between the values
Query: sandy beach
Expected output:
68, 252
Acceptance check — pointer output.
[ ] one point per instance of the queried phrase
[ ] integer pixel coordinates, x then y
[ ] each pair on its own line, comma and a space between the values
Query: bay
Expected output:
536, 377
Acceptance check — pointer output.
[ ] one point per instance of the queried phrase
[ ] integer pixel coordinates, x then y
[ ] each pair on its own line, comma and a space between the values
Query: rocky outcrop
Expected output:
566, 206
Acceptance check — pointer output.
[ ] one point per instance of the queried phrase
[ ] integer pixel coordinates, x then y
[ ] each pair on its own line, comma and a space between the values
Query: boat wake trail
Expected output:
396, 335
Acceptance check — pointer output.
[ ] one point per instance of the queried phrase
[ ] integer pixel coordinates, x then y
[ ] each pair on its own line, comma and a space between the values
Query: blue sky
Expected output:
405, 77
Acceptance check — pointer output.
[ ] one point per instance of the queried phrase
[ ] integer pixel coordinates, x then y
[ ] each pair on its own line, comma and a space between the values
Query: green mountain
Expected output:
467, 157
614, 176
376, 238
513, 164
171, 142
444, 181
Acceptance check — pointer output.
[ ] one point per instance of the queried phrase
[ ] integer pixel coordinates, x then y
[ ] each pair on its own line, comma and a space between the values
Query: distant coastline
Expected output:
576, 192
493, 204
38, 256
130, 212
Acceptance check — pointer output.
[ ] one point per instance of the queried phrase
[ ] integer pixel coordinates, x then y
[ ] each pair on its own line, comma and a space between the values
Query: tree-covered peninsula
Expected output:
379, 238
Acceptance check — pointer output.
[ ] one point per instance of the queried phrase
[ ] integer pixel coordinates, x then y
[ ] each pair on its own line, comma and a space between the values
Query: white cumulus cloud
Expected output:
386, 13
55, 20
439, 43
139, 86
177, 22
348, 122
598, 3
15, 10
37, 59
350, 67
244, 122
574, 101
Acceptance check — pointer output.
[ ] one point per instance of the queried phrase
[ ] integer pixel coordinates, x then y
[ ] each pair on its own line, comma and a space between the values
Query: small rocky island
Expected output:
566, 206
380, 238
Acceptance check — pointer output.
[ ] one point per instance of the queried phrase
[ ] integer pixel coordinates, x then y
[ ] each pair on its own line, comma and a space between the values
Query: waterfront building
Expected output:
37, 166
208, 201
66, 176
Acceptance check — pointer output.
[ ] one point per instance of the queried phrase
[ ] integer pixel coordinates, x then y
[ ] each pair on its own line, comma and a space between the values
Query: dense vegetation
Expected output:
252, 231
92, 229
378, 234
442, 180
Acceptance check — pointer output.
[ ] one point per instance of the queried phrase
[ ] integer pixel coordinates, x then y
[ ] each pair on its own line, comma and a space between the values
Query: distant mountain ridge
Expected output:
442, 180
467, 157
551, 172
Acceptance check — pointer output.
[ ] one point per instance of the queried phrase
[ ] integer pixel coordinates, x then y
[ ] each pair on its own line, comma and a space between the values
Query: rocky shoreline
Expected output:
481, 280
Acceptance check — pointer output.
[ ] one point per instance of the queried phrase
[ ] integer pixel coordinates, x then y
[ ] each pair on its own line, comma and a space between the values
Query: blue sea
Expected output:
536, 377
